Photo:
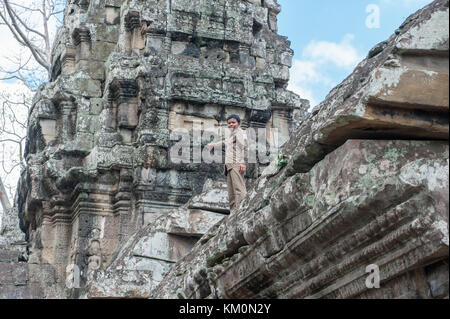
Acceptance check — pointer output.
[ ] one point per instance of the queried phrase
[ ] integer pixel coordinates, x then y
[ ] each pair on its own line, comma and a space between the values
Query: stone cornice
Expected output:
122, 89
132, 20
81, 35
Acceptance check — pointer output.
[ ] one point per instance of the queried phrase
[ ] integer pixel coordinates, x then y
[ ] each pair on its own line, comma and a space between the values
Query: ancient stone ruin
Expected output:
360, 184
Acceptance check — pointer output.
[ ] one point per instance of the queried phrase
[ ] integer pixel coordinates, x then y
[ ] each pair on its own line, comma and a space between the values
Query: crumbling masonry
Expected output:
360, 181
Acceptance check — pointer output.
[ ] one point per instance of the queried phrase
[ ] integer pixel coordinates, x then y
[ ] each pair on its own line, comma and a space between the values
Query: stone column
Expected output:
135, 39
124, 96
272, 17
67, 109
69, 60
122, 204
281, 121
244, 55
82, 42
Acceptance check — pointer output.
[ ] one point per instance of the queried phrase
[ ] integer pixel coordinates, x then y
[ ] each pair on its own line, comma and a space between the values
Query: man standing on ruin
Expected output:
236, 154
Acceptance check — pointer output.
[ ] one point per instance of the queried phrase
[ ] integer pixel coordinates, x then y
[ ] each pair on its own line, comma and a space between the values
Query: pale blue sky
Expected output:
331, 37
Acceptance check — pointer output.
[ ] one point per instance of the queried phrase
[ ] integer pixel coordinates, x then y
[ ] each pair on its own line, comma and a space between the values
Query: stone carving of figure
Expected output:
94, 252
73, 251
34, 247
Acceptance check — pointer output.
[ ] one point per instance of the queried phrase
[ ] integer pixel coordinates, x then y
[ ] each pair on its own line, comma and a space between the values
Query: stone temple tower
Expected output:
355, 205
125, 75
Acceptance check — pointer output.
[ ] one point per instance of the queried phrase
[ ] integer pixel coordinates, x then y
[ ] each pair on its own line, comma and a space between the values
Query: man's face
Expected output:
233, 124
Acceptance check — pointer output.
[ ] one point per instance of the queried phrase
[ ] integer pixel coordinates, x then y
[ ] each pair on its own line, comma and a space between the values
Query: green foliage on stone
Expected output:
182, 273
281, 160
263, 204
213, 260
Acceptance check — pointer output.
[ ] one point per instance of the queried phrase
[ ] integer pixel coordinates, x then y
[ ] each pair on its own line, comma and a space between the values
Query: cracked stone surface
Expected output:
126, 75
363, 181
360, 181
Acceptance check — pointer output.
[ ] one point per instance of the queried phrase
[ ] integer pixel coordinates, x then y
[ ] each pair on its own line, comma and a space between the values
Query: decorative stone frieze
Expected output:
362, 181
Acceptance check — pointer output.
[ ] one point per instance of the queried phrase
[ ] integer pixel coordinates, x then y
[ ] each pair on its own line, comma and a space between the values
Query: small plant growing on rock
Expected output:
281, 160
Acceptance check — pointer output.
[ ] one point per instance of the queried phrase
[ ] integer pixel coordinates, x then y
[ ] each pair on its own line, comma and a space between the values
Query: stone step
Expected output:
7, 255
32, 291
21, 280
13, 273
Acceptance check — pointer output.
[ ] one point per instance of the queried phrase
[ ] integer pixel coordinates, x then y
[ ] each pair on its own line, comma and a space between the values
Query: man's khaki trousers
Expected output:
236, 187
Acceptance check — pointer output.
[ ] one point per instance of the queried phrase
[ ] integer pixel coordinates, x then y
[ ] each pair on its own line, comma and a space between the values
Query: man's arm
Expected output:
214, 145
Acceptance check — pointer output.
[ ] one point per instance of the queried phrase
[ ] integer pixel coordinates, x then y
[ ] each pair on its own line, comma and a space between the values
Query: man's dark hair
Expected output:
234, 116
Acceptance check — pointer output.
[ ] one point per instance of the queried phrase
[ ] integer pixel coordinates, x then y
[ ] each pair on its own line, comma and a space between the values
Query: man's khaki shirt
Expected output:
236, 148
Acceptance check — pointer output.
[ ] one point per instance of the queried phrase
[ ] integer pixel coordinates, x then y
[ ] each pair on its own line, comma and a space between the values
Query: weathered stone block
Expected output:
106, 33
7, 255
315, 236
128, 115
13, 273
32, 291
96, 106
437, 277
412, 89
193, 222
163, 246
48, 129
134, 71
81, 85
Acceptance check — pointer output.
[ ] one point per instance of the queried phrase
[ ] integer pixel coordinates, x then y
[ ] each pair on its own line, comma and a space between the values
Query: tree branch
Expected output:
39, 59
26, 27
15, 35
4, 198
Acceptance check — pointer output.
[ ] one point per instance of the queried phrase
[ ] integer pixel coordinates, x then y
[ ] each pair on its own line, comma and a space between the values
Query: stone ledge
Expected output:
373, 207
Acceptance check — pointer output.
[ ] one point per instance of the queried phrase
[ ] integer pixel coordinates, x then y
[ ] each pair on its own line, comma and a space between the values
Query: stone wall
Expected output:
363, 186
125, 75
361, 181
146, 258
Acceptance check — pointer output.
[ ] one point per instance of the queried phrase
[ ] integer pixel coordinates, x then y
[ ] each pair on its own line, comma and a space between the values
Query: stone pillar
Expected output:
136, 41
272, 17
92, 220
244, 55
47, 121
68, 118
122, 204
82, 42
55, 235
124, 97
69, 60
281, 121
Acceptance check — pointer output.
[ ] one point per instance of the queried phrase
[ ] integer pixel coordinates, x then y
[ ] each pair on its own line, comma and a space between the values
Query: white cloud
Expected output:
307, 71
342, 54
319, 58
